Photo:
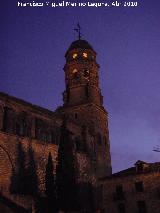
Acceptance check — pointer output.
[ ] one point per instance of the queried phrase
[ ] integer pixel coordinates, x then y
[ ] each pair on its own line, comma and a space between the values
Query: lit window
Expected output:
75, 55
75, 74
85, 55
75, 70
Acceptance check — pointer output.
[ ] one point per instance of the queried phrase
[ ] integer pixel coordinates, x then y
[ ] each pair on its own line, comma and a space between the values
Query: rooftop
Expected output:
80, 44
140, 167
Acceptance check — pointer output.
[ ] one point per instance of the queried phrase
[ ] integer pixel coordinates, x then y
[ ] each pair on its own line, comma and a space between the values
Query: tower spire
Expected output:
78, 30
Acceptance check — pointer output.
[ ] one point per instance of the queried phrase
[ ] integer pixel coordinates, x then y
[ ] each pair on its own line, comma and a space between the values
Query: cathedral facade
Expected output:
87, 121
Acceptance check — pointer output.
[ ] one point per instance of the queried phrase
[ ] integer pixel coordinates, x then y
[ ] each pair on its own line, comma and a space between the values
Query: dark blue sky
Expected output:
33, 42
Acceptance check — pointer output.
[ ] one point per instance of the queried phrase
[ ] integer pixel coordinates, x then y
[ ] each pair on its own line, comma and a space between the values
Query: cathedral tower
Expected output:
83, 102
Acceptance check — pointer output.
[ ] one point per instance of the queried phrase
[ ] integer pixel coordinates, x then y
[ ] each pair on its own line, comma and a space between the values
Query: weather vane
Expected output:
78, 30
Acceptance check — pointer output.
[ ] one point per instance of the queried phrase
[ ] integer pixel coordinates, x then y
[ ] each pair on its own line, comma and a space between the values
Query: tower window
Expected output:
75, 115
75, 70
99, 139
119, 195
105, 140
139, 186
85, 55
94, 150
119, 190
68, 94
87, 91
86, 73
75, 74
74, 55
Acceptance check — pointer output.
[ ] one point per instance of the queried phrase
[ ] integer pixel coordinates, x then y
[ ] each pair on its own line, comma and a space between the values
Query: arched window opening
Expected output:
86, 73
94, 151
87, 91
75, 115
105, 140
99, 139
9, 120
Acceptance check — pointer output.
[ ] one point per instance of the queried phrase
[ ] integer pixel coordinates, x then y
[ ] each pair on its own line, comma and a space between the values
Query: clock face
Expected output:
85, 55
74, 55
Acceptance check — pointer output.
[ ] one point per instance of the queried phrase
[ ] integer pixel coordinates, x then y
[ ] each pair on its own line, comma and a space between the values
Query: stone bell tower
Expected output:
83, 102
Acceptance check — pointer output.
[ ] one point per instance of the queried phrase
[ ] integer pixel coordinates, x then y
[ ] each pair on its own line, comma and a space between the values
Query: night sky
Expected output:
33, 41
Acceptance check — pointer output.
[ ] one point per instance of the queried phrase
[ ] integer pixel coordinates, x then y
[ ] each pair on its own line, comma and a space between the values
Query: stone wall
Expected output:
130, 197
94, 118
9, 143
41, 147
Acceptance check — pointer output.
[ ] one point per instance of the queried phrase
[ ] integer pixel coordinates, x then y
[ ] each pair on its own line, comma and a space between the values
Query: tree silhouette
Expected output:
18, 174
31, 179
49, 178
66, 172
86, 197
50, 188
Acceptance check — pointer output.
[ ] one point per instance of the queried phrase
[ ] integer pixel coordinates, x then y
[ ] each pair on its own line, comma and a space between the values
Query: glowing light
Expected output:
85, 55
75, 55
75, 70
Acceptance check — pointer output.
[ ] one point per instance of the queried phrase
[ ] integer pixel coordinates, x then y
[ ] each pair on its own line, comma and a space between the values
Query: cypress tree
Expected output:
31, 179
66, 172
50, 188
18, 174
49, 178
